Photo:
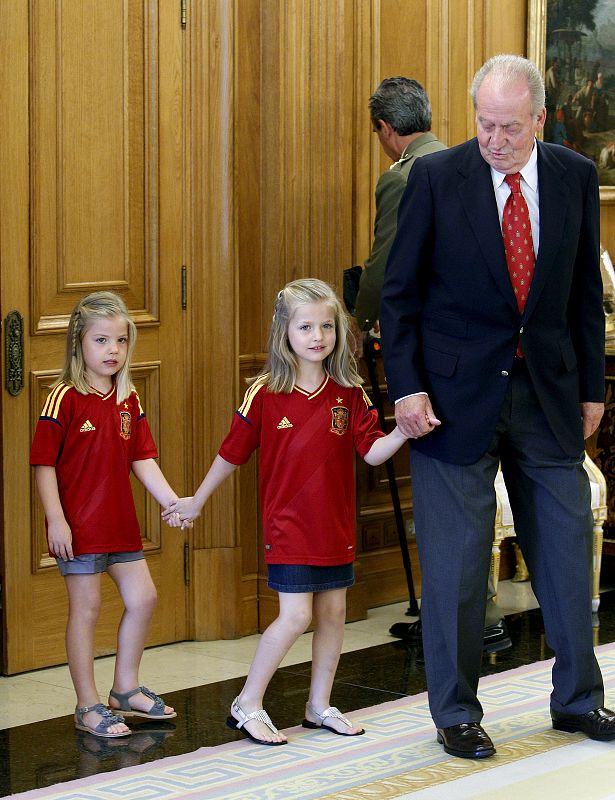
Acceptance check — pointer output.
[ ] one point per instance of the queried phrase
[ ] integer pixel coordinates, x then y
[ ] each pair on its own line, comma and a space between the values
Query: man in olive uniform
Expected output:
401, 118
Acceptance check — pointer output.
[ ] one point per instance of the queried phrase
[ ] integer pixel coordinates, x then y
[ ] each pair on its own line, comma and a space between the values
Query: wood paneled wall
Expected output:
278, 105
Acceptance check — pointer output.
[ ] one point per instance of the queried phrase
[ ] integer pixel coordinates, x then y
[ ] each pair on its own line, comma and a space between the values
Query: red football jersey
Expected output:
92, 441
307, 487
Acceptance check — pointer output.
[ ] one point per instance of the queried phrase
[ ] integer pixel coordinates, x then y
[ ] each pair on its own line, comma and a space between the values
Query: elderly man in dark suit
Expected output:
493, 342
400, 113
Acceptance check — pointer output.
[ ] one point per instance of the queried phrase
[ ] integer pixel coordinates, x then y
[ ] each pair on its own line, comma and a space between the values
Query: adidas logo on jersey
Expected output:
87, 427
284, 423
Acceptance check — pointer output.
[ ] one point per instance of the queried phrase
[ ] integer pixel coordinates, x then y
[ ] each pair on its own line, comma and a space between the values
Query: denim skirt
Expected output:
308, 578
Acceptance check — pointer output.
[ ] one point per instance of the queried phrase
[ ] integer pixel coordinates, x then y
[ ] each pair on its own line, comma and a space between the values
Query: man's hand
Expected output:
415, 417
591, 413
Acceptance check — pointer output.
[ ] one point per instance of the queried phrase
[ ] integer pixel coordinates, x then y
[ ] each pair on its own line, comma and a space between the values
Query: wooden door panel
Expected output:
94, 156
97, 211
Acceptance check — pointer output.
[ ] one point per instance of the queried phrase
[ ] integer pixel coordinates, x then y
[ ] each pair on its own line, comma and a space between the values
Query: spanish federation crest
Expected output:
125, 424
339, 420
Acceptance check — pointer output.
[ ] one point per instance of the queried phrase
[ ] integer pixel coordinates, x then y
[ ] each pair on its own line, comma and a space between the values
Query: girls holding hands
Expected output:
91, 433
307, 413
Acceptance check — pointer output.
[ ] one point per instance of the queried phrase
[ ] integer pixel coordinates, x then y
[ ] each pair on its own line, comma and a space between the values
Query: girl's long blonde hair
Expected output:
280, 371
98, 305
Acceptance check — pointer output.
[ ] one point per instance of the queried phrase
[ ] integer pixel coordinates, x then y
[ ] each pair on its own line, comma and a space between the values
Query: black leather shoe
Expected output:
466, 740
496, 638
597, 724
410, 632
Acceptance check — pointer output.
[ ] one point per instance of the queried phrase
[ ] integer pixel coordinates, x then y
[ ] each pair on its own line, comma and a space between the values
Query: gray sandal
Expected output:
102, 729
155, 712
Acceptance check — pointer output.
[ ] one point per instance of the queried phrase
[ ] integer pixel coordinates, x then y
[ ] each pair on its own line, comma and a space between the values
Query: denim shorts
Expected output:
309, 578
91, 563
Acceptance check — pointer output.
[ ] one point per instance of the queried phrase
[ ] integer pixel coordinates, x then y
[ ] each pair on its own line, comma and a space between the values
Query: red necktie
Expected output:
518, 244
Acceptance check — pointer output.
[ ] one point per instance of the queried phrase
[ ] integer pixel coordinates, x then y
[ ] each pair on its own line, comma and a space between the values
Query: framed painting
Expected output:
572, 42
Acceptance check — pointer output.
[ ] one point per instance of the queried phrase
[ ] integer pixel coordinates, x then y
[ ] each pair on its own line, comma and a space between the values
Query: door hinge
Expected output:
183, 12
184, 288
186, 563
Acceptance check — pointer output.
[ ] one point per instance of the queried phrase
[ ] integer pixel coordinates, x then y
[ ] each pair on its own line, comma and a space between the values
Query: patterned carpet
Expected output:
398, 757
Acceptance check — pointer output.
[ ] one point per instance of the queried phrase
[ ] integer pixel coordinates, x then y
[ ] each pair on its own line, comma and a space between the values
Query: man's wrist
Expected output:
413, 394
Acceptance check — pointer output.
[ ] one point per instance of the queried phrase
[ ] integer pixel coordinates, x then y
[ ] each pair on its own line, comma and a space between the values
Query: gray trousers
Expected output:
454, 514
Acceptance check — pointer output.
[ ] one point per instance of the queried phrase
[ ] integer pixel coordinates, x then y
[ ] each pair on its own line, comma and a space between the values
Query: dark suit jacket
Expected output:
449, 317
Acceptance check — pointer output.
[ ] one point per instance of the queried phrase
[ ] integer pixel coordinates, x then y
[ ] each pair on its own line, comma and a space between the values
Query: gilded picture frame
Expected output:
580, 84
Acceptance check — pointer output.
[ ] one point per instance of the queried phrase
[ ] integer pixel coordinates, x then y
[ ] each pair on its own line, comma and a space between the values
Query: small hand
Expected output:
181, 512
415, 416
173, 520
60, 540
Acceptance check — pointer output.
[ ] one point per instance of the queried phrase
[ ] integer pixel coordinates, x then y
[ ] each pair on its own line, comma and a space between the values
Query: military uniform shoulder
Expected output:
424, 144
397, 166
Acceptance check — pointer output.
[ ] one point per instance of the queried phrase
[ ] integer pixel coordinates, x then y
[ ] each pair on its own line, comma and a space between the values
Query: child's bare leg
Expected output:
138, 593
83, 610
293, 620
329, 619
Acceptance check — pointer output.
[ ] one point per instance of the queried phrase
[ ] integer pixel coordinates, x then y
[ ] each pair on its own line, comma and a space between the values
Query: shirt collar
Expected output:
529, 172
424, 138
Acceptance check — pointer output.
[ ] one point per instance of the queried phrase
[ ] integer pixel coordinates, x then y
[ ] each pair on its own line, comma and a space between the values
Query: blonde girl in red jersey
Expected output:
91, 434
307, 414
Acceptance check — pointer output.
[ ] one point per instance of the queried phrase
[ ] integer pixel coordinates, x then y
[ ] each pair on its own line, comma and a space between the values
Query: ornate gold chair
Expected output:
504, 525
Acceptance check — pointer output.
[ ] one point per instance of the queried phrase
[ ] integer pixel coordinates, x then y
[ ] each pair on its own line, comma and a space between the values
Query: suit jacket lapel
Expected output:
478, 199
475, 189
554, 198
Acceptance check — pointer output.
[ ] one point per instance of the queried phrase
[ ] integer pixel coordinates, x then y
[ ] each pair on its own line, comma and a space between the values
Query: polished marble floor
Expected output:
39, 746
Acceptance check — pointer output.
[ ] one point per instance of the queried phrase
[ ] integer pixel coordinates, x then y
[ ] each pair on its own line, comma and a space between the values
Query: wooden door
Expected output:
91, 197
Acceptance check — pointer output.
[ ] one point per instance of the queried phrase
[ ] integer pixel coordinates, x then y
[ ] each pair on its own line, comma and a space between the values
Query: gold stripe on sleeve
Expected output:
52, 406
368, 402
249, 396
141, 412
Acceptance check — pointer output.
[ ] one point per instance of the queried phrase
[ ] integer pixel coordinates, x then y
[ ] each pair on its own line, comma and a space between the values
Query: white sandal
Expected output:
261, 715
329, 713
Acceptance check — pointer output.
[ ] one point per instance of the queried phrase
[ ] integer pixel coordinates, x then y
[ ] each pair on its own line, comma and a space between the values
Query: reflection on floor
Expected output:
373, 669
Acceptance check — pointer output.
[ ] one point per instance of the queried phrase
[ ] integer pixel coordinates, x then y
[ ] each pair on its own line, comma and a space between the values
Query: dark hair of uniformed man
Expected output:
403, 104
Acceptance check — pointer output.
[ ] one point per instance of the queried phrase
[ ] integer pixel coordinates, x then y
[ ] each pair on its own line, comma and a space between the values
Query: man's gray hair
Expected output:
506, 69
403, 104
